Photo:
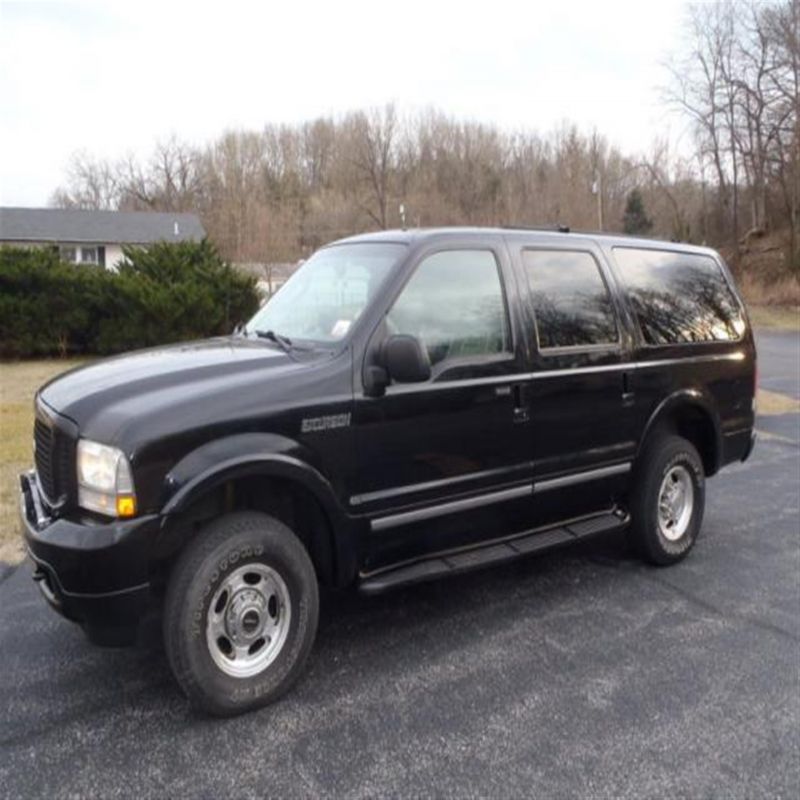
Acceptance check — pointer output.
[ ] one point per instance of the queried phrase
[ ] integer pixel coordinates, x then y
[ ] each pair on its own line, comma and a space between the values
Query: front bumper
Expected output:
750, 445
92, 573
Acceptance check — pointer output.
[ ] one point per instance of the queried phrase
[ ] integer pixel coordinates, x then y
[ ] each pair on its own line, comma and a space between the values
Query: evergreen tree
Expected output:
636, 220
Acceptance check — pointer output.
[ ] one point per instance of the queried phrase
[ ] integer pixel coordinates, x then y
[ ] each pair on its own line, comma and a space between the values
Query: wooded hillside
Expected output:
276, 194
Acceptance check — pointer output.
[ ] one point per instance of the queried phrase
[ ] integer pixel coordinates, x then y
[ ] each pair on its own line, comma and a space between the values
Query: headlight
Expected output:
105, 483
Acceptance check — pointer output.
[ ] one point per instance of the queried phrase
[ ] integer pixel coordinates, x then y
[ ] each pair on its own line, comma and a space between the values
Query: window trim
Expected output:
90, 247
723, 270
508, 354
484, 359
75, 253
569, 349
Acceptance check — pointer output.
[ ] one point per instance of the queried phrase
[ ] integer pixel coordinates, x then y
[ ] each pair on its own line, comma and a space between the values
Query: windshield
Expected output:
327, 294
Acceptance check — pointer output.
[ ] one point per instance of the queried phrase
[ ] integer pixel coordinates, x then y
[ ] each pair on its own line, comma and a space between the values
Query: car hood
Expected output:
101, 398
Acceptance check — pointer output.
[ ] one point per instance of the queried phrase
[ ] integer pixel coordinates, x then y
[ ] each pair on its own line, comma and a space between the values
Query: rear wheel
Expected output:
240, 614
668, 501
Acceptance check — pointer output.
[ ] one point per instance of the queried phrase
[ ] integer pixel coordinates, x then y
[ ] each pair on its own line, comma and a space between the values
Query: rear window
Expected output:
570, 299
679, 297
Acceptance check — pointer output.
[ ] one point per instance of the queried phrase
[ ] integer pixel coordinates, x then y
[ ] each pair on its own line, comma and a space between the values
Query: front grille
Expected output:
43, 439
52, 460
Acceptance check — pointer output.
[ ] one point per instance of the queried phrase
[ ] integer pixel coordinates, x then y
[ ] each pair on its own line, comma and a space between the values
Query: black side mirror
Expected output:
406, 359
376, 379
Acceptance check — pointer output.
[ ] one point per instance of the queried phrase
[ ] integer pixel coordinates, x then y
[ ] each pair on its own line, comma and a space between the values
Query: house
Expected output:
94, 237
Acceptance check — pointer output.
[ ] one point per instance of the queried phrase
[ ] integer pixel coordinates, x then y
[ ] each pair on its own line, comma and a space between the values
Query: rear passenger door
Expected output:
582, 433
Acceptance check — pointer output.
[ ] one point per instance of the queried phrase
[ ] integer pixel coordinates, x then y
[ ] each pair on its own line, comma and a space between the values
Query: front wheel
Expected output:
668, 500
241, 613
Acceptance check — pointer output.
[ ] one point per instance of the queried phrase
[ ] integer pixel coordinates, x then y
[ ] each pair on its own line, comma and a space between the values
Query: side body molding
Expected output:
693, 398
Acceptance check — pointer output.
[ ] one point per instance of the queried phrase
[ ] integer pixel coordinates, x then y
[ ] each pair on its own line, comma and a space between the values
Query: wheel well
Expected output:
289, 501
695, 425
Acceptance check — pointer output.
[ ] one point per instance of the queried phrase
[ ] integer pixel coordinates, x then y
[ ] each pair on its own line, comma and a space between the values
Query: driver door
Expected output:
445, 462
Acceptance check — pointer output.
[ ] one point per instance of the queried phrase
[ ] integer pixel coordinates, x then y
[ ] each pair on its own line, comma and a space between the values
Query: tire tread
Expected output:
644, 534
218, 533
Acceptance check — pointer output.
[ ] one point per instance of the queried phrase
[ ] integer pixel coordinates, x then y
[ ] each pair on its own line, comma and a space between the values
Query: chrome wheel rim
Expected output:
248, 620
675, 503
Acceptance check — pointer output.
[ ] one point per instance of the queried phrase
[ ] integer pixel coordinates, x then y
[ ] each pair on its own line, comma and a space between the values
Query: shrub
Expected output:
165, 293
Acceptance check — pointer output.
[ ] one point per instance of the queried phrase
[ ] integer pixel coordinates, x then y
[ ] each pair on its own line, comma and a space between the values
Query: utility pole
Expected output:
597, 190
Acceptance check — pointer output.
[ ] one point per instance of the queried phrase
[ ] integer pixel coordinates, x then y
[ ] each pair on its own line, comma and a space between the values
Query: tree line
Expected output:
276, 194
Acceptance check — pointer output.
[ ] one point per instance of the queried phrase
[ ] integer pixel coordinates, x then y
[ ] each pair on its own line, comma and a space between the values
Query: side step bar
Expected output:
496, 552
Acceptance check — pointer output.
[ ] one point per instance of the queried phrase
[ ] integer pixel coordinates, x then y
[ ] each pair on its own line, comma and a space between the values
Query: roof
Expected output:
543, 235
66, 225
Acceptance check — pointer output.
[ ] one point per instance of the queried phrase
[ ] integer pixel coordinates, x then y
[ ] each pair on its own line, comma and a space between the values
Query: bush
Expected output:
161, 294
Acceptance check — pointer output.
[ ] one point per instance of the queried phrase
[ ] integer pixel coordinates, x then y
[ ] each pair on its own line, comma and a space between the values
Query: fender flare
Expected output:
695, 398
257, 454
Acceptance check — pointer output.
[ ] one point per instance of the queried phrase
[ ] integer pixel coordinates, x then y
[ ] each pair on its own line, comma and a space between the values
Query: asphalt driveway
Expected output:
582, 673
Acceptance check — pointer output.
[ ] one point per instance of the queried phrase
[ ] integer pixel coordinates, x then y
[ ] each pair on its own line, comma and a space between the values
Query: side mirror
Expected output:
406, 359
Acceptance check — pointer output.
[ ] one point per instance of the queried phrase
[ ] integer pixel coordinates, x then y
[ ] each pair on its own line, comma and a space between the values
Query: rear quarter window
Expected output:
679, 298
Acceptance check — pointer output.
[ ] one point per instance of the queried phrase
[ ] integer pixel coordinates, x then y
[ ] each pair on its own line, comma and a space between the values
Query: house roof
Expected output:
67, 225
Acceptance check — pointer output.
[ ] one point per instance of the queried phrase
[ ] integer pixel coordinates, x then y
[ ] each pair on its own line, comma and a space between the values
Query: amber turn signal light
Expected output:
126, 506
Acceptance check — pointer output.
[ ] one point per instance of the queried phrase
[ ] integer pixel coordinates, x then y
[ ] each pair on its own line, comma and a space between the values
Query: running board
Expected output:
496, 552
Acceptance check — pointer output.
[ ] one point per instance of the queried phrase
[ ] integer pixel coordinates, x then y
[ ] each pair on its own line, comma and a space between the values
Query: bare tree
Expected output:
782, 25
275, 194
658, 167
90, 184
372, 138
698, 89
738, 85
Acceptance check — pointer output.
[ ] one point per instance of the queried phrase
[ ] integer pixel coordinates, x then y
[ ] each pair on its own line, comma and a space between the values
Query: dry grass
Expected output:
18, 383
785, 318
770, 291
772, 403
767, 281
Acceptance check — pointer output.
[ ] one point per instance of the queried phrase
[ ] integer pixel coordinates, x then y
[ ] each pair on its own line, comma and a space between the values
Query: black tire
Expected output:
222, 548
660, 458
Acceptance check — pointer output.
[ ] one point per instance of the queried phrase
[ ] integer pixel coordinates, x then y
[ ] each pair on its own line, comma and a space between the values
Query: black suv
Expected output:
411, 404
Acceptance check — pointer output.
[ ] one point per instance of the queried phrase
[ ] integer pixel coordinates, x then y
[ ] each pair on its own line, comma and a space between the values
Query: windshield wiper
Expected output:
284, 342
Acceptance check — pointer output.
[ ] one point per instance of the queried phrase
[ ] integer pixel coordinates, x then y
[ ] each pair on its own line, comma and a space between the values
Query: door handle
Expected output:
522, 412
628, 395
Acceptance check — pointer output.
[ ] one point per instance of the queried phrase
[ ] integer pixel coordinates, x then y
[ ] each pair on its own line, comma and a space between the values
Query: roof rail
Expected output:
558, 228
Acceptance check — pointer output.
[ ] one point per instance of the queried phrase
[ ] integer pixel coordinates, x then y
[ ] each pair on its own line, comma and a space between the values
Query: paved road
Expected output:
779, 371
582, 673
778, 361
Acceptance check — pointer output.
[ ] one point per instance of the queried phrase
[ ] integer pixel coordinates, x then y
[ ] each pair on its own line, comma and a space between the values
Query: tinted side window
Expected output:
679, 297
570, 299
454, 305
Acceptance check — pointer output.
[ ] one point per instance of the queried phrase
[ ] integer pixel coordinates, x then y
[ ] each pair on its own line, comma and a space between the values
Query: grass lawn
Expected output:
18, 383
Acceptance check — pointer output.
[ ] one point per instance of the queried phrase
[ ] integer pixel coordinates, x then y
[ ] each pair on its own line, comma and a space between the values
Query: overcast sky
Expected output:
111, 78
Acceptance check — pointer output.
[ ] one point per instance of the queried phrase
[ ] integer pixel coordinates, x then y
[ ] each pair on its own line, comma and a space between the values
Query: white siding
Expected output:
113, 256
113, 251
